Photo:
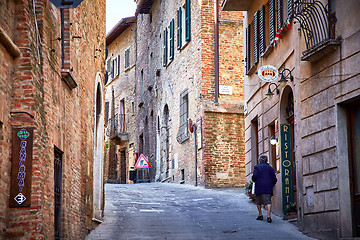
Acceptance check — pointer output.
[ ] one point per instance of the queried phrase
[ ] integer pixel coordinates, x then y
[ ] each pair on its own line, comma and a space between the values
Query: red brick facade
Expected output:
35, 94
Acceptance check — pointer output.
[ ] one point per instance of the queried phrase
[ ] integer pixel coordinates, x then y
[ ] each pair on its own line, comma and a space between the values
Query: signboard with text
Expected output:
21, 167
286, 165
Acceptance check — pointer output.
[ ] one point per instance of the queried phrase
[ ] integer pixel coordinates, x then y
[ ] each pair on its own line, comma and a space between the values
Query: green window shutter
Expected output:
179, 29
187, 21
165, 55
171, 54
272, 22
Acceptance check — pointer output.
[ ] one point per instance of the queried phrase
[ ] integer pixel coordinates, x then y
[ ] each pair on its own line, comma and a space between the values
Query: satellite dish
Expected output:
66, 3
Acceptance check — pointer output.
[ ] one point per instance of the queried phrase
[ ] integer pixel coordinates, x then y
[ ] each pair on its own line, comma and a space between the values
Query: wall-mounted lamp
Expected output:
273, 140
270, 94
283, 78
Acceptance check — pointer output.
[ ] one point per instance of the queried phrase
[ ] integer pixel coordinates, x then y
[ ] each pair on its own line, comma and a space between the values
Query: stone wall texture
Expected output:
191, 71
325, 92
33, 94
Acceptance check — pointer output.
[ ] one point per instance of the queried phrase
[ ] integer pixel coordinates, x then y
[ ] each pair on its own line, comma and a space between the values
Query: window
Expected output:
187, 20
183, 133
165, 47
116, 66
171, 40
127, 58
179, 28
113, 66
261, 32
183, 21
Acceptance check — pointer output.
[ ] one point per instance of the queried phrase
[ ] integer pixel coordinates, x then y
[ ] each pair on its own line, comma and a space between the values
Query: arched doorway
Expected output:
98, 166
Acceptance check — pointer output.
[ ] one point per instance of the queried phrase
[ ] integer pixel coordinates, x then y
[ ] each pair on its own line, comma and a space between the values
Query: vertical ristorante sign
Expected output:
21, 167
286, 165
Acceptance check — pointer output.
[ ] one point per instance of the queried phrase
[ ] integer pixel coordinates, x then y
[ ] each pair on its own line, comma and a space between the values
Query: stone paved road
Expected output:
182, 212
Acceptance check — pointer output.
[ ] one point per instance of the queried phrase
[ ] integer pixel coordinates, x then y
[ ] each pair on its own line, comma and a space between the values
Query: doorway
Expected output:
353, 118
123, 166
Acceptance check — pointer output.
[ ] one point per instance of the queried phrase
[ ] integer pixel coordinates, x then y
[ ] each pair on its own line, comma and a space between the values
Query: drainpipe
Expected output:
195, 142
216, 50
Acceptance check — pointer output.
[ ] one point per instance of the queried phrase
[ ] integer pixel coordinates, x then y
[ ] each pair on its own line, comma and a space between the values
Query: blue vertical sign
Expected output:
286, 165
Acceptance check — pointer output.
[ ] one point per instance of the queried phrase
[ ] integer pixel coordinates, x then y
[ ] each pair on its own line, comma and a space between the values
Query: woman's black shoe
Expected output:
260, 218
269, 220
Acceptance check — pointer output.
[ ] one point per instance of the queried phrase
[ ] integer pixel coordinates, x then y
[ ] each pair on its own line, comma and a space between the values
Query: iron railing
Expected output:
116, 125
315, 21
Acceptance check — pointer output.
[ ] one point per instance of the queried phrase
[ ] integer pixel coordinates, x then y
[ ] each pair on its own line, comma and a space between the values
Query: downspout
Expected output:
216, 50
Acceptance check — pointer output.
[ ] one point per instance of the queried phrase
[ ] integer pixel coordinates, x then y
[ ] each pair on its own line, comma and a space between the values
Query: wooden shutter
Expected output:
171, 53
248, 50
290, 7
262, 35
279, 14
108, 66
118, 64
112, 68
165, 47
272, 23
179, 28
127, 58
256, 39
187, 20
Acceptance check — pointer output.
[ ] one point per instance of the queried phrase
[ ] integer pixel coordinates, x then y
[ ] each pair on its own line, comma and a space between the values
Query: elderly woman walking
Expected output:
265, 179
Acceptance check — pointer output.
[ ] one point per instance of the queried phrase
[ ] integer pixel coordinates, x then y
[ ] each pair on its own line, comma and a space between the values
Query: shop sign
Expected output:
286, 165
268, 73
21, 167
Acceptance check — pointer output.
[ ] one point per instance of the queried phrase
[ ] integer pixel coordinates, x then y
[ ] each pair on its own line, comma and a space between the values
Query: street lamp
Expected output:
283, 79
270, 94
273, 140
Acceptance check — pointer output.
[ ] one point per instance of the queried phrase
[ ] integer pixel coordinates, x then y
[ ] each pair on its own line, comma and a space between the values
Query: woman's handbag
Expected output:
253, 188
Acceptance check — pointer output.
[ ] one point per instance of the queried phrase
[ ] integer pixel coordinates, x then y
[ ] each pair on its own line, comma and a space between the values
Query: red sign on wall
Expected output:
21, 167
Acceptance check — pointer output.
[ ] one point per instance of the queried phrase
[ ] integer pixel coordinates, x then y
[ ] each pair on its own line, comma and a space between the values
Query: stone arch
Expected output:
287, 116
98, 166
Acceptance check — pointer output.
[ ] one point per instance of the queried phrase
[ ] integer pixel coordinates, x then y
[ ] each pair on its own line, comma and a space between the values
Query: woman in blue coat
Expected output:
265, 179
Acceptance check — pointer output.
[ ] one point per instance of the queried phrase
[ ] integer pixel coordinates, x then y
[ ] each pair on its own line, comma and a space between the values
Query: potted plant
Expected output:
291, 210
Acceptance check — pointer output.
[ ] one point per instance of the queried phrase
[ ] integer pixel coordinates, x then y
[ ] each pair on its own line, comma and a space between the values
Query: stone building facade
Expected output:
51, 135
314, 117
120, 101
189, 66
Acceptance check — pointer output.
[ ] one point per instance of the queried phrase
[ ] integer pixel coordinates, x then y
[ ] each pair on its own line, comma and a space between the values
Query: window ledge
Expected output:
68, 78
321, 50
267, 52
252, 70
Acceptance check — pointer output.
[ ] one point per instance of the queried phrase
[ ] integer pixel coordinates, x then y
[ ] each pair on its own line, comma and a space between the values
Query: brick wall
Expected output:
62, 118
224, 150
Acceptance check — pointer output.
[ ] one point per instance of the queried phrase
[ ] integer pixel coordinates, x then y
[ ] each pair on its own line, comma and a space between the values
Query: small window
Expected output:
184, 105
171, 40
183, 133
127, 58
165, 47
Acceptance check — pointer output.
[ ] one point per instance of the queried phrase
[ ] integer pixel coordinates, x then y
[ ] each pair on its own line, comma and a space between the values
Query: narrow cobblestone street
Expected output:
172, 211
